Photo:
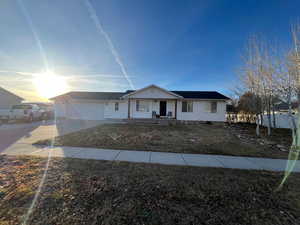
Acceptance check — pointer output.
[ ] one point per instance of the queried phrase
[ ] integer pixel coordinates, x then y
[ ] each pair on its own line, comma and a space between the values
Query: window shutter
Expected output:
184, 107
137, 105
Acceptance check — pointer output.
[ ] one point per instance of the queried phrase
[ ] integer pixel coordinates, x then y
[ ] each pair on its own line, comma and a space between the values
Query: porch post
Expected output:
175, 109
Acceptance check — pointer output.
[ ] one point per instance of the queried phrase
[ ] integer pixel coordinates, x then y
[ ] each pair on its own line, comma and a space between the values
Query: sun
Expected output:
49, 84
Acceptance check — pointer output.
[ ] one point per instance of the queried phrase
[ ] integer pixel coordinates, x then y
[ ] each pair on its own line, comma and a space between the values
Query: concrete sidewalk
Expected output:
199, 160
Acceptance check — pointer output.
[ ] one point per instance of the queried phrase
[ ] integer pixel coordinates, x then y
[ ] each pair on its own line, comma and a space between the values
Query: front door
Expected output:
162, 108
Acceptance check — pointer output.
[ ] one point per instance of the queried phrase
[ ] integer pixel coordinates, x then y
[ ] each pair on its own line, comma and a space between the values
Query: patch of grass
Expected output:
18, 182
198, 139
101, 192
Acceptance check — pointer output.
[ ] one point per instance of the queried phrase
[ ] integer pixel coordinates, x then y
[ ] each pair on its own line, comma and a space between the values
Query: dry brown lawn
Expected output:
102, 192
222, 139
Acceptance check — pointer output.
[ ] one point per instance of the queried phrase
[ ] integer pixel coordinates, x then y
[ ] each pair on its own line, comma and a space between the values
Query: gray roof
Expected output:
201, 94
118, 95
92, 95
283, 106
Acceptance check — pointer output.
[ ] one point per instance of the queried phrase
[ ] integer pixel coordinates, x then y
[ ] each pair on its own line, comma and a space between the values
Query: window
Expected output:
211, 107
116, 106
35, 107
142, 106
187, 106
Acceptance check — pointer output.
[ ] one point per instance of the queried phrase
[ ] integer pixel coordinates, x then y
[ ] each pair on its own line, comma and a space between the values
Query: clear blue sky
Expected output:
182, 45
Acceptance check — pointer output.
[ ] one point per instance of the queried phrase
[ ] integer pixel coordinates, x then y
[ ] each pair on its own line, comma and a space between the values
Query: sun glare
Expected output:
49, 84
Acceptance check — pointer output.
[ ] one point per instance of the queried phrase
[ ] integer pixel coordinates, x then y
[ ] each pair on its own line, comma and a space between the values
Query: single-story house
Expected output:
283, 107
8, 99
149, 102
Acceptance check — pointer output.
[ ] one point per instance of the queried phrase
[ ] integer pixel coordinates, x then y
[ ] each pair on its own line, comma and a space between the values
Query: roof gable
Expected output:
152, 91
2, 90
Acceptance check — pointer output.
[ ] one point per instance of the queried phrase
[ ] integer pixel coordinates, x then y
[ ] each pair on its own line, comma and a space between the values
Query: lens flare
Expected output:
49, 84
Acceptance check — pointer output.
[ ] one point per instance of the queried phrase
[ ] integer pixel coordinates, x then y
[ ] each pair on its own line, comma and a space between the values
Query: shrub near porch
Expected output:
199, 139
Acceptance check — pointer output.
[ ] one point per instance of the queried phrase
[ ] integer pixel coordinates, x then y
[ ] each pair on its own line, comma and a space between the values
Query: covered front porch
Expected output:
141, 108
152, 102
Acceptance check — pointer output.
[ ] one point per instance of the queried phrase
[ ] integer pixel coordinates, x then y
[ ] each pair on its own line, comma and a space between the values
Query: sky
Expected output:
116, 45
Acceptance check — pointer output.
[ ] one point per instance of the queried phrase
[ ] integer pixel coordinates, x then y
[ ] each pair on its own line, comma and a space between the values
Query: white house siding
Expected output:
60, 109
110, 113
101, 110
199, 112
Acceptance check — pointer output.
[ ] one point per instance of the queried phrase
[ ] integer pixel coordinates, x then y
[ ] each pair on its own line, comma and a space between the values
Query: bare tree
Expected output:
270, 76
258, 78
294, 69
286, 84
291, 85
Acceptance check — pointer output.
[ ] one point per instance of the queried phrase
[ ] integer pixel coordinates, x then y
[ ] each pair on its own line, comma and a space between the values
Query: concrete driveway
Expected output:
69, 126
28, 133
12, 133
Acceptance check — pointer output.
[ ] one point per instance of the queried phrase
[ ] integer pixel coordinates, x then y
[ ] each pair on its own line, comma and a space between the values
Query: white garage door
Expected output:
86, 111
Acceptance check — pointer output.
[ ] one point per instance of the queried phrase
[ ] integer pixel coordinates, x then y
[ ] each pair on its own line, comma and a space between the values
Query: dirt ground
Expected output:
102, 192
222, 139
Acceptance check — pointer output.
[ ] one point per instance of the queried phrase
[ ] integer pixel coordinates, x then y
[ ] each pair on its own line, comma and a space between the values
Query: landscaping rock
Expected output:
279, 146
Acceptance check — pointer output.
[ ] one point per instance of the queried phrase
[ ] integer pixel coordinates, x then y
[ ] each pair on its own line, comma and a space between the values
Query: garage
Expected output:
85, 111
90, 105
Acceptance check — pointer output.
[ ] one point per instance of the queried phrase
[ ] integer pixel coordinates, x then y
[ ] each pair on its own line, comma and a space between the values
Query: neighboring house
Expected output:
8, 99
149, 102
283, 107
